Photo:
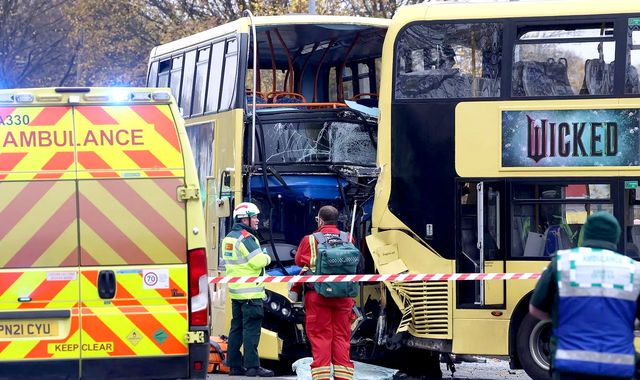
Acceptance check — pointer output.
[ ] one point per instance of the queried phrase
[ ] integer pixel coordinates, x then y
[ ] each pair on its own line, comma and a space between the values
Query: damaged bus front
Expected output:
280, 111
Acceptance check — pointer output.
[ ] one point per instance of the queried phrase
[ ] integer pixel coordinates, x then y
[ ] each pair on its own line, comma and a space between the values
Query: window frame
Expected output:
615, 199
506, 44
205, 66
620, 22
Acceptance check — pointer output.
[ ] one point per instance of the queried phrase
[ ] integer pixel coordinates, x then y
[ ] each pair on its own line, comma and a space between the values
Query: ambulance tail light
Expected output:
198, 287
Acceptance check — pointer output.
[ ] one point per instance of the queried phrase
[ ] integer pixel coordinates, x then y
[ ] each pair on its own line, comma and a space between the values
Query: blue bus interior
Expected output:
315, 131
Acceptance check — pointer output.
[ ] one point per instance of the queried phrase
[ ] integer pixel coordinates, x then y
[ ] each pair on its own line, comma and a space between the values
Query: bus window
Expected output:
152, 80
229, 83
632, 223
339, 142
363, 78
347, 83
267, 88
547, 62
201, 141
187, 82
163, 73
632, 84
176, 76
436, 61
200, 85
378, 64
216, 69
549, 217
333, 85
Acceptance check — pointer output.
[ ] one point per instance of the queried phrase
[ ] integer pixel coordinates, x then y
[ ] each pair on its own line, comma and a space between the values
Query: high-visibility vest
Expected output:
597, 291
243, 257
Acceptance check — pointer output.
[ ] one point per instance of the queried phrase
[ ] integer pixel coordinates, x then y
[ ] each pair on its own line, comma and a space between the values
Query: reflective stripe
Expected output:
312, 260
321, 373
238, 242
596, 357
254, 253
599, 292
239, 261
586, 272
343, 372
246, 290
242, 259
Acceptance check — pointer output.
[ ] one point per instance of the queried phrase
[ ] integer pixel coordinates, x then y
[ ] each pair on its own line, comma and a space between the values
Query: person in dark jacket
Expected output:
583, 290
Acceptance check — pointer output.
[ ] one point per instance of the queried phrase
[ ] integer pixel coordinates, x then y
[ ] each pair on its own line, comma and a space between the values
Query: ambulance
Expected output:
103, 269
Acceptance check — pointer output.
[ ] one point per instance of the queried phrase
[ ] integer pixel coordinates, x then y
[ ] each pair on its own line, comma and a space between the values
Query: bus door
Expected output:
482, 220
631, 230
490, 225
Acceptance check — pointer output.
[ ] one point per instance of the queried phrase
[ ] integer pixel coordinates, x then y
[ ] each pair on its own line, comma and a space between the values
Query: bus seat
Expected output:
558, 73
598, 77
632, 82
260, 98
534, 81
556, 238
546, 78
289, 97
517, 88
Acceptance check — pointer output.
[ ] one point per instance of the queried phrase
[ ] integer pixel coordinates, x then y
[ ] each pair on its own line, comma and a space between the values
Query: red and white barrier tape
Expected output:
377, 278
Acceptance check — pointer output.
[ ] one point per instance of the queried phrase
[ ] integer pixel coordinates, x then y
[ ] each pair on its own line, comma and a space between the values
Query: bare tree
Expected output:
34, 48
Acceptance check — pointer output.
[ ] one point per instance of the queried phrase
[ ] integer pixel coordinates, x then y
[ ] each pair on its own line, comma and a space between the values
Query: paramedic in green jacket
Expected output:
243, 257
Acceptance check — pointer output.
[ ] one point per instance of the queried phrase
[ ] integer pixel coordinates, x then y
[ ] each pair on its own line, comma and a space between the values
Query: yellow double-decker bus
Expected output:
281, 111
503, 126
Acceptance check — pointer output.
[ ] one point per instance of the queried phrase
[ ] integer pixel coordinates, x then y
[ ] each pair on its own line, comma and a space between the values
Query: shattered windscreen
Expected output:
332, 142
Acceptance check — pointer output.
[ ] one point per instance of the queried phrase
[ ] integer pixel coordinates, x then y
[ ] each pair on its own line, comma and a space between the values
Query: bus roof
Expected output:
500, 10
242, 25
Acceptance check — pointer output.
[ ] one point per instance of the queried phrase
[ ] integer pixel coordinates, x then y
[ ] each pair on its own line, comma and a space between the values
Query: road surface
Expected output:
491, 369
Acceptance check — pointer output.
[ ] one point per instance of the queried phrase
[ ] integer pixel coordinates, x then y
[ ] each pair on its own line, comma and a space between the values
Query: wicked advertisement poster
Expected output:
566, 138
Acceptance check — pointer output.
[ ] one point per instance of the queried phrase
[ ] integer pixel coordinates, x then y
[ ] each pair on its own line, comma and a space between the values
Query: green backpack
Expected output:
342, 257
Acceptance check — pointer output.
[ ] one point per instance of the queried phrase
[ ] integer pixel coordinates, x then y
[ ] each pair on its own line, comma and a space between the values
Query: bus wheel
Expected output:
533, 347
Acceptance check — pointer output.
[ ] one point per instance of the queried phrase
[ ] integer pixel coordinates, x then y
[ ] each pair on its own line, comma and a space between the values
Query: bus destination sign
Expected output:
559, 138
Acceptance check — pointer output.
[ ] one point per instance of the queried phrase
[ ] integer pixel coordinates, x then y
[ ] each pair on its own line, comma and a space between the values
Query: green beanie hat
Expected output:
601, 230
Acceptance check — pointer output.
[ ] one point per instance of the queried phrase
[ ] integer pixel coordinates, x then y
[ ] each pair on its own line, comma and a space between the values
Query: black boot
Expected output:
237, 371
258, 372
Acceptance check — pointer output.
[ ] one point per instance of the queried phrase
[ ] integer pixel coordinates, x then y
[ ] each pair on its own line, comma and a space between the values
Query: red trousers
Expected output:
328, 326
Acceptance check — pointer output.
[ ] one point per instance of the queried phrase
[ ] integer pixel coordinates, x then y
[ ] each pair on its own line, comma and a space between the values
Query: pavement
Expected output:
490, 369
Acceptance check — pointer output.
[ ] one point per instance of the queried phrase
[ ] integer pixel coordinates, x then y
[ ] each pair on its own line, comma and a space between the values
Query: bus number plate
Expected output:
28, 329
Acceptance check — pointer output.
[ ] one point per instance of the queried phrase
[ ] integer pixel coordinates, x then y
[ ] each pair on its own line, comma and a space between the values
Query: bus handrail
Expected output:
333, 105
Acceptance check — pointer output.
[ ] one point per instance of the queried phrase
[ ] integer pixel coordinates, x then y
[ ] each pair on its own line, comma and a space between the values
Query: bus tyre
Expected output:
532, 346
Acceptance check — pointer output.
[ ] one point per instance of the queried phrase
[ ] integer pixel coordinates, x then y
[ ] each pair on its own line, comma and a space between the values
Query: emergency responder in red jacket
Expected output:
328, 320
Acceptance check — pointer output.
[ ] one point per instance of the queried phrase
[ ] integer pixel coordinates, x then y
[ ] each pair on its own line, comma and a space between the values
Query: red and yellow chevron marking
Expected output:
107, 141
136, 221
54, 289
39, 224
36, 143
139, 321
127, 141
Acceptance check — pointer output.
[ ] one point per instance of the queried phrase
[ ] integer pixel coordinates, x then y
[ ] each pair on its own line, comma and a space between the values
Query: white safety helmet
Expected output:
245, 210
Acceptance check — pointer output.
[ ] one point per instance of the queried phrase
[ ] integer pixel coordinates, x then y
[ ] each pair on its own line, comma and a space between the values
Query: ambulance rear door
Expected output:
134, 284
39, 282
